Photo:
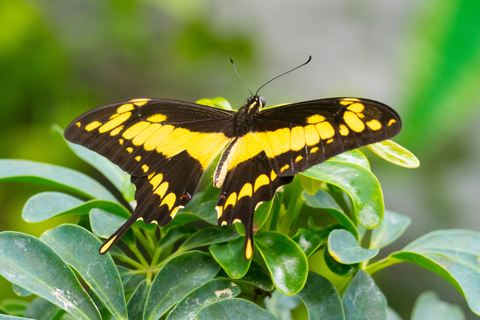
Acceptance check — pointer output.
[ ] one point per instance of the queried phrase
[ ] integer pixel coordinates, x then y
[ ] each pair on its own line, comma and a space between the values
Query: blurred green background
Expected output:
61, 58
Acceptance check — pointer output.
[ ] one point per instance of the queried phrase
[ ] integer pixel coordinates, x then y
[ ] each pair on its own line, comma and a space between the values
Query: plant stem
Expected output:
381, 264
138, 254
130, 261
145, 243
293, 208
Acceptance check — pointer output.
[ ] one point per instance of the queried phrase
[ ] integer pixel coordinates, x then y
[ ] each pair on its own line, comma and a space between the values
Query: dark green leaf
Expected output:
308, 241
363, 300
284, 259
234, 309
321, 298
210, 292
205, 211
136, 303
79, 248
343, 270
344, 248
453, 254
395, 153
31, 264
392, 227
258, 277
428, 306
42, 309
230, 257
175, 234
49, 174
208, 236
360, 184
176, 279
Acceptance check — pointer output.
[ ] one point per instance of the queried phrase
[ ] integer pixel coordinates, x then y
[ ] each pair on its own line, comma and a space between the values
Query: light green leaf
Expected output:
49, 174
6, 317
344, 248
321, 298
281, 305
176, 279
363, 300
104, 223
234, 309
218, 102
392, 314
210, 292
14, 307
359, 183
229, 256
428, 306
79, 248
175, 234
395, 153
31, 264
308, 241
42, 309
392, 227
354, 156
21, 292
284, 259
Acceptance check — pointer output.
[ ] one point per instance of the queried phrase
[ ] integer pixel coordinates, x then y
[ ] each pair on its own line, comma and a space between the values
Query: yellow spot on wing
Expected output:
285, 167
298, 138
232, 200
374, 125
348, 101
129, 149
262, 180
174, 212
157, 137
219, 211
121, 141
140, 102
78, 124
352, 120
237, 221
314, 149
299, 158
315, 119
116, 131
157, 118
356, 107
330, 140
246, 191
150, 176
311, 135
273, 176
279, 140
207, 147
248, 250
138, 158
155, 181
107, 245
325, 130
169, 200
135, 129
125, 107
145, 134
115, 122
162, 189
343, 130
145, 168
92, 125
392, 121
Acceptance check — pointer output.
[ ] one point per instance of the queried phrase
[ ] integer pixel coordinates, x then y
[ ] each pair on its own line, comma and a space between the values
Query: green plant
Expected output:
193, 269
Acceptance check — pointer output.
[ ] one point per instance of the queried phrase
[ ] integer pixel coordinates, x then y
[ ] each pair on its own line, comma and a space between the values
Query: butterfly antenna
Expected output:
235, 68
309, 58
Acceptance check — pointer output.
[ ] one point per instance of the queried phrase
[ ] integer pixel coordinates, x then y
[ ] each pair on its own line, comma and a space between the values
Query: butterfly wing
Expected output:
165, 145
286, 140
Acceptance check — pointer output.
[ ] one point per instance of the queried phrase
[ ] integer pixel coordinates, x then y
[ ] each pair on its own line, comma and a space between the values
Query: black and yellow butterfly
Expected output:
166, 145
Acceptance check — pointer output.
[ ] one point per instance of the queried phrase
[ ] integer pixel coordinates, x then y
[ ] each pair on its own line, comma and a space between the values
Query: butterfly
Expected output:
166, 145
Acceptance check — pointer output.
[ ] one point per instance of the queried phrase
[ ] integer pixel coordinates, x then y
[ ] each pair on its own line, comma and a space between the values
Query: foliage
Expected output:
193, 269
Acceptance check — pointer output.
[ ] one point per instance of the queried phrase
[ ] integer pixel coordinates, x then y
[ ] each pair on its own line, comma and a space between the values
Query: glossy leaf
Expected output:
112, 172
395, 153
49, 174
321, 298
344, 248
79, 248
360, 184
428, 306
259, 218
363, 300
343, 270
285, 261
281, 305
42, 309
258, 277
452, 254
323, 200
46, 205
308, 241
209, 293
392, 227
33, 265
136, 303
176, 279
234, 309
354, 156
208, 236
228, 255
218, 102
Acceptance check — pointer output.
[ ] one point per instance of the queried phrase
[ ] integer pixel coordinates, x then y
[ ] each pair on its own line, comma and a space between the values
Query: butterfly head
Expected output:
255, 104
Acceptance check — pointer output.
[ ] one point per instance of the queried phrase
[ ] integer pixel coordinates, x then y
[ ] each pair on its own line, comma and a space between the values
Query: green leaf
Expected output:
136, 303
395, 153
14, 307
208, 236
344, 248
6, 317
354, 156
79, 248
49, 174
104, 223
175, 234
46, 205
259, 218
176, 279
281, 305
234, 309
228, 255
343, 270
111, 171
360, 184
392, 227
323, 200
21, 292
308, 241
218, 102
452, 254
392, 314
428, 306
363, 300
42, 309
31, 264
205, 211
209, 293
321, 298
285, 261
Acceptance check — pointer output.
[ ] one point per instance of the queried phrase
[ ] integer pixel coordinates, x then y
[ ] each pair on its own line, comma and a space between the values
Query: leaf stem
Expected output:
138, 254
143, 240
381, 264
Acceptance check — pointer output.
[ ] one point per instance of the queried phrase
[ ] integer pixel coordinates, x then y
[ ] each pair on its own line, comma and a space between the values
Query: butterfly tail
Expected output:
117, 235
